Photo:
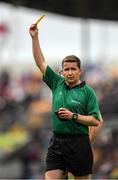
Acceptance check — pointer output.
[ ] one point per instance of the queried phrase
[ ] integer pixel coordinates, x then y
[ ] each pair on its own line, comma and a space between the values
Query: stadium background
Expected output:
85, 28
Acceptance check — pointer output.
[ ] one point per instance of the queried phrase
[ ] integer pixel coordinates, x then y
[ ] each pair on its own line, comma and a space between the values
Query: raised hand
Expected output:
33, 30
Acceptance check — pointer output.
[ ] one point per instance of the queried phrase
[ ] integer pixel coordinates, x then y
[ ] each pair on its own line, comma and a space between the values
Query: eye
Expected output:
66, 69
74, 69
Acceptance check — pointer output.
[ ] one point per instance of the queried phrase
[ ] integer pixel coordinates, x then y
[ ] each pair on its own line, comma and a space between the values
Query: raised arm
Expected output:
36, 49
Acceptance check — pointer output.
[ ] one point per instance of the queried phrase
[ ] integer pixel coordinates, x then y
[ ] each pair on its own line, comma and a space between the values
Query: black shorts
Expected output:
71, 153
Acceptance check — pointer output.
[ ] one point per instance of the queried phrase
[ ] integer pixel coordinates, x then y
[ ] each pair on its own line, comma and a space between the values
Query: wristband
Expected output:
75, 117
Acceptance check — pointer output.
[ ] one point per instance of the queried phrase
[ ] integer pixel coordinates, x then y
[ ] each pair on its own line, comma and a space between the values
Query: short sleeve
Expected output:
51, 78
92, 105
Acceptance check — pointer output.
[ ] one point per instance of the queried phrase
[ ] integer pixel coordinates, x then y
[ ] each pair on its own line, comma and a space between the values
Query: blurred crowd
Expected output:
25, 119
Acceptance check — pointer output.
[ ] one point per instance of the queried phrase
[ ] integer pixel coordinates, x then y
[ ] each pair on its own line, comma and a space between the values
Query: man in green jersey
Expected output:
74, 109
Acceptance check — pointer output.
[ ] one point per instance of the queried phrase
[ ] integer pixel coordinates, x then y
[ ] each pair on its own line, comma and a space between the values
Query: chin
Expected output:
71, 82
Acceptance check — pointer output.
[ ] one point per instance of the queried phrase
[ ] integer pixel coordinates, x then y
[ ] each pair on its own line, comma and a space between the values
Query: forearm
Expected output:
36, 49
87, 120
38, 55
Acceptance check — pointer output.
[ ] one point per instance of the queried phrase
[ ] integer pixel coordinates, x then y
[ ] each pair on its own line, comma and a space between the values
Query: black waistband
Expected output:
69, 135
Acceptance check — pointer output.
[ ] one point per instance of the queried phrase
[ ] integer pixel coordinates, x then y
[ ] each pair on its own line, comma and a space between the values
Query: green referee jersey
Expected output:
79, 99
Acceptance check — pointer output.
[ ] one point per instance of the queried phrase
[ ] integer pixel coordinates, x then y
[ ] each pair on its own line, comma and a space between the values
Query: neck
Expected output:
73, 84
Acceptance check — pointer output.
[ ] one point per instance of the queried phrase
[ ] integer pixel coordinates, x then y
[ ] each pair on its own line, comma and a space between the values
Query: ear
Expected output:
61, 72
81, 71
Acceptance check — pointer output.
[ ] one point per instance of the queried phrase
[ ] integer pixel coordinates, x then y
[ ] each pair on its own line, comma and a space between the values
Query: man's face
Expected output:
71, 73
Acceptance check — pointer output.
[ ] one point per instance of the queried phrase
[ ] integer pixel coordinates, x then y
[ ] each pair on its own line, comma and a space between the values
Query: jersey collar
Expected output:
78, 85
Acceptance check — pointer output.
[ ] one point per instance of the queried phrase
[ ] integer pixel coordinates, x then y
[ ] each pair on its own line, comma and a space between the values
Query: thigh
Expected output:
79, 156
54, 158
54, 174
83, 177
70, 176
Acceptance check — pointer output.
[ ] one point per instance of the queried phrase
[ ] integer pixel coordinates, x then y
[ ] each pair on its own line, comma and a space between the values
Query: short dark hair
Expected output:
72, 58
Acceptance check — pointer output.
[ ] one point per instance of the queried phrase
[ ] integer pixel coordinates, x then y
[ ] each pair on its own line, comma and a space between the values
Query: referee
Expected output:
74, 108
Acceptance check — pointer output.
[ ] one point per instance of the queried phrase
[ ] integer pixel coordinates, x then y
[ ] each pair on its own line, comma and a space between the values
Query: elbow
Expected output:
96, 122
99, 122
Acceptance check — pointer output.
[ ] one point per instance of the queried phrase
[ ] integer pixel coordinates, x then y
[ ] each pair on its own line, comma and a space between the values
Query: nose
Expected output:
70, 71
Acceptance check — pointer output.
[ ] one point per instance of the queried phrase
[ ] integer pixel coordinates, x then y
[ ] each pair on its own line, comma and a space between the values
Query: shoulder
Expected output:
89, 88
52, 74
89, 91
